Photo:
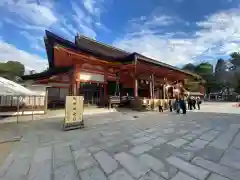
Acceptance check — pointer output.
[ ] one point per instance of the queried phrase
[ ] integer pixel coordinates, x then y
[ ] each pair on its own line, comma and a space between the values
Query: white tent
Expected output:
8, 87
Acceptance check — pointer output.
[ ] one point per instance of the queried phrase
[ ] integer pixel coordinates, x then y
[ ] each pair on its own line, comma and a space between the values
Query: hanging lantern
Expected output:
146, 82
142, 81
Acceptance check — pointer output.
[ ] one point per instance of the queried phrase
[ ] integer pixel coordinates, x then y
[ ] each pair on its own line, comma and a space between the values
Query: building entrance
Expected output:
92, 93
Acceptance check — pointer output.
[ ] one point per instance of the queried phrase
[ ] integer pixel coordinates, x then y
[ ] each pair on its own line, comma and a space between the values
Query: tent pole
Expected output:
17, 108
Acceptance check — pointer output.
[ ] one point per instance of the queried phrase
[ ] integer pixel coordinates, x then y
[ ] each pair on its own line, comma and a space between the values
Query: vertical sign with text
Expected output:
73, 112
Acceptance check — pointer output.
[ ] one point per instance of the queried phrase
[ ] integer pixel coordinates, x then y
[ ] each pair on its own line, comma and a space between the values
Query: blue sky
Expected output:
172, 31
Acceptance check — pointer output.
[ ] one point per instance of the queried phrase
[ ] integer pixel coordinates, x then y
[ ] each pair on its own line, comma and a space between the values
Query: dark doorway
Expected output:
91, 93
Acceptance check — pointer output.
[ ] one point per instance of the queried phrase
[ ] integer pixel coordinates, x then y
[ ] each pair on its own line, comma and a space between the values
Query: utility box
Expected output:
73, 113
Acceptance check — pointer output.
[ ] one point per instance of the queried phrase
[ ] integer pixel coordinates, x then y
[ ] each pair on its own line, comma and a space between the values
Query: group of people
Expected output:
193, 101
179, 104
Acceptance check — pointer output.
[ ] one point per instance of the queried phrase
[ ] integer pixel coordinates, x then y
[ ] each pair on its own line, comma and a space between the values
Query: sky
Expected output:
172, 31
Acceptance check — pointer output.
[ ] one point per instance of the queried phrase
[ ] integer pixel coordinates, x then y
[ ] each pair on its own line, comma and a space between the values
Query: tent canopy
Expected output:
8, 87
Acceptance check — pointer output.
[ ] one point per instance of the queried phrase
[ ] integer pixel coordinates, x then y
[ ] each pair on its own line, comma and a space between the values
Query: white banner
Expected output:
91, 77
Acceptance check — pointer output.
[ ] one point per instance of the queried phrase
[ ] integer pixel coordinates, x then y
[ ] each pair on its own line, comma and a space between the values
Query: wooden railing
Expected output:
11, 103
150, 104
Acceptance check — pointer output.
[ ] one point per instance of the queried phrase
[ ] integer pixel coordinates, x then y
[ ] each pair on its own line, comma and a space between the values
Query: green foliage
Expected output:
204, 69
215, 81
192, 85
235, 58
237, 82
220, 65
189, 67
12, 70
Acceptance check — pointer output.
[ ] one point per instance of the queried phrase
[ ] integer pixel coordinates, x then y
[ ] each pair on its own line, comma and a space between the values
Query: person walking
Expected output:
194, 102
189, 100
177, 105
198, 102
170, 105
182, 105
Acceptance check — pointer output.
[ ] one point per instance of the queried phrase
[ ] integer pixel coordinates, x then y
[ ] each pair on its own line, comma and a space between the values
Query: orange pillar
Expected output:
135, 87
105, 86
77, 77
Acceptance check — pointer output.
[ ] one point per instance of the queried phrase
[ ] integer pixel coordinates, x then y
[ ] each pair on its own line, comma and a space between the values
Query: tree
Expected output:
220, 65
12, 70
189, 67
235, 58
204, 68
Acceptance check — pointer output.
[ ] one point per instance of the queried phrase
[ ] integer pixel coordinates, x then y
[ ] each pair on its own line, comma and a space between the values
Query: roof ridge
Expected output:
101, 43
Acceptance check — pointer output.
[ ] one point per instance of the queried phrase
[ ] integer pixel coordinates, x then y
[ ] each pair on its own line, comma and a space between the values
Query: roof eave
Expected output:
166, 65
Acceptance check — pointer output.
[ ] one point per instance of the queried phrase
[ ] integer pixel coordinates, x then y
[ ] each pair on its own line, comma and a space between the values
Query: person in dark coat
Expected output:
194, 102
182, 105
189, 100
160, 108
177, 105
170, 105
198, 99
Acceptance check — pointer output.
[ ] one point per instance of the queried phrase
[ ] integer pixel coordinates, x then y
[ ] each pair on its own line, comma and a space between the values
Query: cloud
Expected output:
30, 19
9, 52
217, 35
93, 7
102, 26
31, 12
35, 41
84, 21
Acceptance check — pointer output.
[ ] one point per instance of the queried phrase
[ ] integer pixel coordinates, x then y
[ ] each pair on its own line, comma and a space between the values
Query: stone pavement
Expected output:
129, 146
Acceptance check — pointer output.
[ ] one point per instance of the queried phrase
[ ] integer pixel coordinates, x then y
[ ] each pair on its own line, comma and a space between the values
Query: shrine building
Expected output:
97, 71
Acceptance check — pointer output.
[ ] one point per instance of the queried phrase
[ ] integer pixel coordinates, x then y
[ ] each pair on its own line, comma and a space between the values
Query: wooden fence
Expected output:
150, 104
11, 103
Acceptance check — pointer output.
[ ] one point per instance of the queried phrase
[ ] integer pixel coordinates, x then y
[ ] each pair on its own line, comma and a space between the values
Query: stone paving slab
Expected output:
137, 150
182, 176
236, 142
19, 169
223, 141
151, 176
231, 158
211, 153
62, 156
178, 142
6, 165
187, 167
132, 165
83, 159
66, 172
107, 163
217, 168
157, 141
120, 174
190, 136
198, 143
216, 177
39, 171
152, 162
92, 173
153, 146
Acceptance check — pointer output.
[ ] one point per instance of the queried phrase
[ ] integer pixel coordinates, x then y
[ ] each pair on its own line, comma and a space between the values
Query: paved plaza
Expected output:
200, 145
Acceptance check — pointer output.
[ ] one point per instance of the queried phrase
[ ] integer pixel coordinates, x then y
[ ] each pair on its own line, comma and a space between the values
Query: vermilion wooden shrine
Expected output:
92, 69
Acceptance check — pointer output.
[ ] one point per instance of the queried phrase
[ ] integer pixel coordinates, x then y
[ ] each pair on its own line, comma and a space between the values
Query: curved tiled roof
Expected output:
98, 49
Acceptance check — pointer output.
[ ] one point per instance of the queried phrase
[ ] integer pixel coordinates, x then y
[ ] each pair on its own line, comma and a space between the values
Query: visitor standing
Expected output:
189, 100
182, 105
177, 105
170, 105
198, 99
194, 102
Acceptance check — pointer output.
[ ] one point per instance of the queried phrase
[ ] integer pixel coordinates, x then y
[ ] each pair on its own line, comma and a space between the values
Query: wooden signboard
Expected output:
73, 113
